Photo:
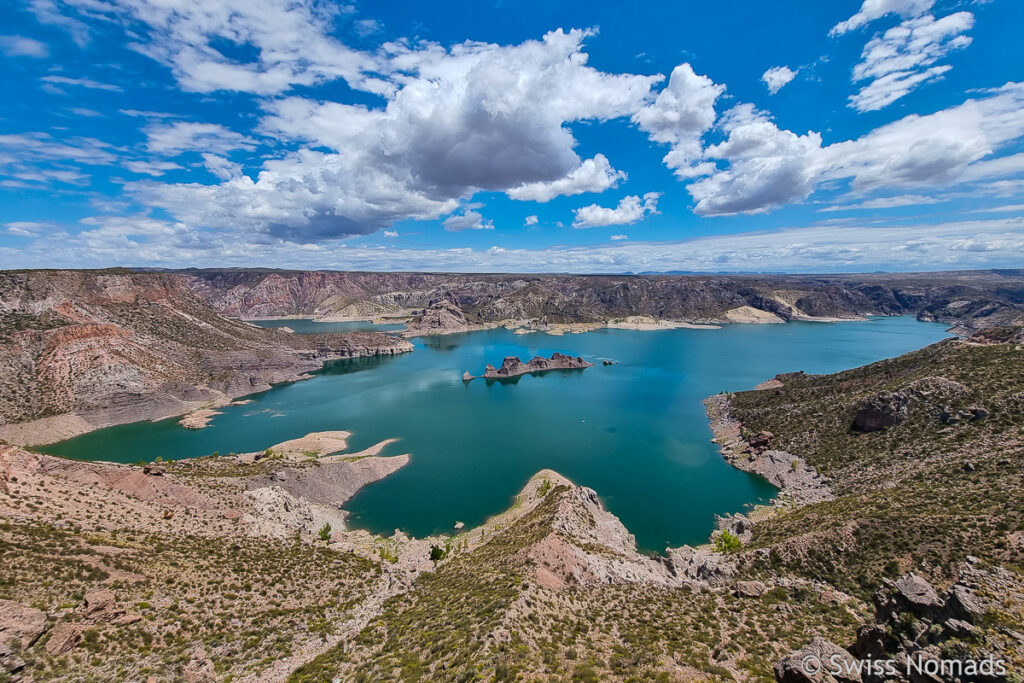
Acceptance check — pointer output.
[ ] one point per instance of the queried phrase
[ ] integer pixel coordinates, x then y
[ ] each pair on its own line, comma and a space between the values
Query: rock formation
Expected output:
968, 299
82, 350
512, 366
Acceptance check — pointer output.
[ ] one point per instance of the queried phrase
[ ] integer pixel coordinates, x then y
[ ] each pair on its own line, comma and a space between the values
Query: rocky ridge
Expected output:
440, 302
83, 350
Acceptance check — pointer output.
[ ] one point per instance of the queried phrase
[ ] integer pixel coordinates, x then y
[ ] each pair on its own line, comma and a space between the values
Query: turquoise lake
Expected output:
634, 431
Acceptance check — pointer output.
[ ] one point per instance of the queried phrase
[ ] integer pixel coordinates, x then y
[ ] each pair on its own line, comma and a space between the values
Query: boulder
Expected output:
761, 441
880, 411
917, 594
819, 662
154, 470
700, 565
11, 663
749, 589
64, 638
870, 642
466, 377
20, 623
963, 603
200, 667
100, 605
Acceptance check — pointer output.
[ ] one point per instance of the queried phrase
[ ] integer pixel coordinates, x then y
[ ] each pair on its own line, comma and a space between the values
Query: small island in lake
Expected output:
512, 366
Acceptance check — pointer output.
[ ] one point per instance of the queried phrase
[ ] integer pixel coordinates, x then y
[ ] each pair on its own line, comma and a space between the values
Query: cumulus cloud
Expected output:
768, 166
680, 115
467, 220
530, 220
876, 9
777, 77
593, 175
461, 120
616, 238
225, 169
186, 136
22, 46
902, 58
630, 210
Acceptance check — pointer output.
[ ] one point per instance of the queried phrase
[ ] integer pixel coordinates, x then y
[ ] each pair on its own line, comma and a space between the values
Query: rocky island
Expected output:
512, 366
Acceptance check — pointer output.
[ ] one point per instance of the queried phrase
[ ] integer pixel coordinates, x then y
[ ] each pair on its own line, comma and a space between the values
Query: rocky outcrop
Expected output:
928, 395
914, 624
880, 411
513, 366
83, 350
20, 627
799, 482
819, 662
967, 299
441, 317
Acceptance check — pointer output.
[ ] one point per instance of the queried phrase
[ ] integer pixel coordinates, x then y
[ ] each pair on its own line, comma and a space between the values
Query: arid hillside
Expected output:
105, 347
897, 534
971, 299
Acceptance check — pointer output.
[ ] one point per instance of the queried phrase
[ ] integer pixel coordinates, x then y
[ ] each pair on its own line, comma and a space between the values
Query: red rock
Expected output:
21, 623
65, 638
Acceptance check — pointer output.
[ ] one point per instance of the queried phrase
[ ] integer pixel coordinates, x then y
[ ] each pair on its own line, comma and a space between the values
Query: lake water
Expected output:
634, 431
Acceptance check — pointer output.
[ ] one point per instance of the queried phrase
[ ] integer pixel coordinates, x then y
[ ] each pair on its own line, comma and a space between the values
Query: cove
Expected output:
634, 431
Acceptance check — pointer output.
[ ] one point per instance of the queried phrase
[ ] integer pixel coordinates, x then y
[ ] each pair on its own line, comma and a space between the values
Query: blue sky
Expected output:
528, 136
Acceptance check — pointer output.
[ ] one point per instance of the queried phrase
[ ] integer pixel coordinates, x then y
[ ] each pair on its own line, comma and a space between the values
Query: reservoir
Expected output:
634, 431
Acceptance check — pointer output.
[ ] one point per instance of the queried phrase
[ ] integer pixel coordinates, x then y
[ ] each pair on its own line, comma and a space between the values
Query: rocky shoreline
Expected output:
798, 482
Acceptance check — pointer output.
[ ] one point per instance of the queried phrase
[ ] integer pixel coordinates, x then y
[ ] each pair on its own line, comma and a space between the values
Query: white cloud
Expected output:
185, 136
81, 82
224, 169
151, 167
683, 111
630, 210
531, 220
38, 146
886, 203
593, 175
21, 46
27, 228
900, 59
616, 238
876, 9
460, 120
108, 241
391, 233
467, 220
768, 166
289, 40
777, 77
